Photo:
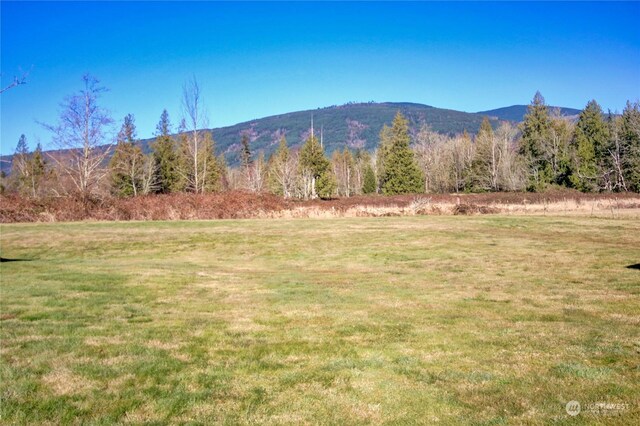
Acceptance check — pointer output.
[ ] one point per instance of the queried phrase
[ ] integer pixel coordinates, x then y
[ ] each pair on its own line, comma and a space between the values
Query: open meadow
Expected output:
491, 319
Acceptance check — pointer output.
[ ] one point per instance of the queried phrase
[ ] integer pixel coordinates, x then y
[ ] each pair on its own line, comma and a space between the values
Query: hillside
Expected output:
356, 125
516, 113
353, 125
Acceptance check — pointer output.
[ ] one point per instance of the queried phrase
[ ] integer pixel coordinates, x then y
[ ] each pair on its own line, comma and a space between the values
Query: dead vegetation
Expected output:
467, 209
240, 205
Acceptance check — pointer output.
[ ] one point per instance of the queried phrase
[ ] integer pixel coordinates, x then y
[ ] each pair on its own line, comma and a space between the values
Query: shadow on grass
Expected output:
4, 259
634, 266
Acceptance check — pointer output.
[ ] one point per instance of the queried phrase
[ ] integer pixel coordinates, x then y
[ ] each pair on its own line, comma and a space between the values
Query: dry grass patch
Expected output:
63, 382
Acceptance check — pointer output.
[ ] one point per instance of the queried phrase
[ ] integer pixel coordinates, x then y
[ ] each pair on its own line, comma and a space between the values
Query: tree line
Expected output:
596, 152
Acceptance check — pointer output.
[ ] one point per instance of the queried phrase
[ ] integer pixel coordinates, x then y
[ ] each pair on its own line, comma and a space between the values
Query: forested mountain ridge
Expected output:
516, 113
356, 125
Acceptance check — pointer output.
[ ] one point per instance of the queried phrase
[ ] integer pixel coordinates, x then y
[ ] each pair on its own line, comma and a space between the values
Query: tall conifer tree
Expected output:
631, 146
315, 169
535, 136
127, 161
165, 156
369, 184
589, 143
401, 172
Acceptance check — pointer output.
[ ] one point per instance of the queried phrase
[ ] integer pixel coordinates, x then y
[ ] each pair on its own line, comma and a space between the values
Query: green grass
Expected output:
411, 320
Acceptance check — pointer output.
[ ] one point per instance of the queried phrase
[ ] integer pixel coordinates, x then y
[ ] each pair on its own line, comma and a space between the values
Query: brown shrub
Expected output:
468, 209
240, 204
229, 205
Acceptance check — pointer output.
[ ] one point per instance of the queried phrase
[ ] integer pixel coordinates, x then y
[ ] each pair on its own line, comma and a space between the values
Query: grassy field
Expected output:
401, 320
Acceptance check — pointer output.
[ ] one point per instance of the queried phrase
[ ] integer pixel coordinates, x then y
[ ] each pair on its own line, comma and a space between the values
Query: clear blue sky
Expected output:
258, 59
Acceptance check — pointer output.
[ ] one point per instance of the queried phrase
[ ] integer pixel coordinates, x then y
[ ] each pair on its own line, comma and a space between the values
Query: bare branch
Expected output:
17, 81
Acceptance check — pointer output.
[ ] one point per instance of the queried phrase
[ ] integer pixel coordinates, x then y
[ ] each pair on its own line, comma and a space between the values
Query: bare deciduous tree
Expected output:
344, 169
511, 169
462, 155
259, 173
83, 132
429, 147
615, 178
283, 165
149, 177
196, 121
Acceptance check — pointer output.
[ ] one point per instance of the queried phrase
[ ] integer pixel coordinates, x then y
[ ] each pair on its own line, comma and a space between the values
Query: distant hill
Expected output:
516, 113
356, 125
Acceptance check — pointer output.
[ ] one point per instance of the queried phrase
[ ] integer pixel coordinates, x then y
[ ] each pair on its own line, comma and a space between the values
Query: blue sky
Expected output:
258, 59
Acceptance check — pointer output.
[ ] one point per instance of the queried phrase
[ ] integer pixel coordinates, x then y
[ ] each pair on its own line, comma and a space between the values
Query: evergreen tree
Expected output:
38, 166
20, 164
3, 184
315, 170
27, 169
22, 149
384, 148
127, 163
401, 172
369, 185
165, 156
561, 133
326, 184
246, 163
245, 152
535, 138
211, 170
630, 141
590, 143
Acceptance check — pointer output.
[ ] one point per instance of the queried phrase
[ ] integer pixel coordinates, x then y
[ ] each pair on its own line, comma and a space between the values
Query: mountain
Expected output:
356, 125
516, 113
